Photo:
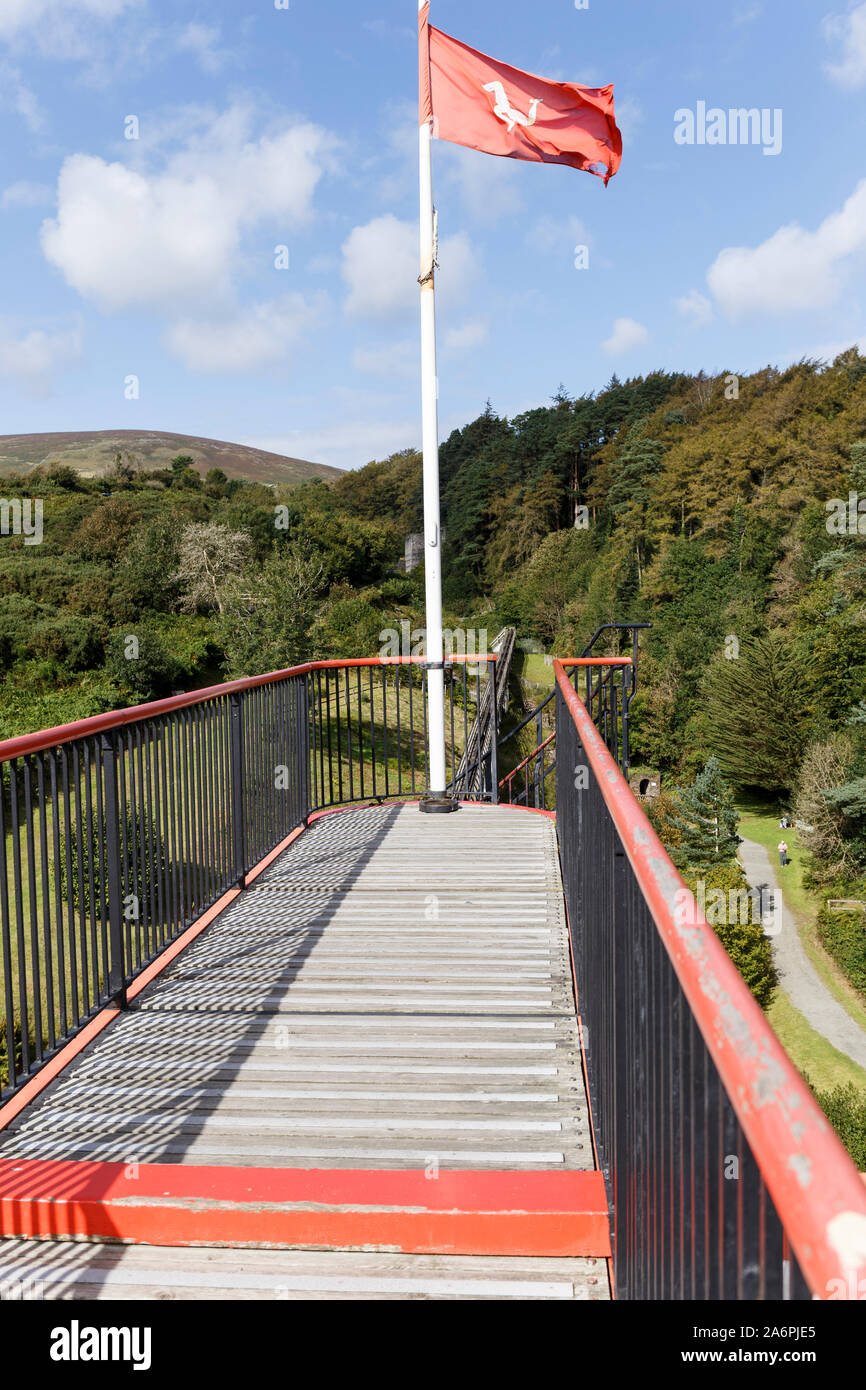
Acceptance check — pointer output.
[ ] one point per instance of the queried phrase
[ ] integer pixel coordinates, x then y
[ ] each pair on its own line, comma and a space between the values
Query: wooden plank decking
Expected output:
34, 1270
394, 992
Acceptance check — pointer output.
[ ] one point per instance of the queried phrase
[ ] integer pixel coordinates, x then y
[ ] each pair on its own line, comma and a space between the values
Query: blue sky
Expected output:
261, 127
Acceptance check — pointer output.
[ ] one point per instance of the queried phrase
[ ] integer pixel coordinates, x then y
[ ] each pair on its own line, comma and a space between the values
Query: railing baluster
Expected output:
494, 733
384, 671
44, 873
59, 925
126, 814
239, 865
116, 973
449, 672
76, 996
6, 940
375, 789
338, 721
90, 840
175, 824
411, 727
168, 924
399, 740
349, 735
457, 789
190, 851
33, 910
200, 752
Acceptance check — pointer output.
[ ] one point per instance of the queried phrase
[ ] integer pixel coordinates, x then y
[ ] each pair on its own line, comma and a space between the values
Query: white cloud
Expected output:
380, 268
243, 341
849, 32
64, 29
166, 232
24, 194
695, 306
32, 356
399, 359
16, 96
627, 334
471, 334
202, 41
794, 268
18, 15
126, 237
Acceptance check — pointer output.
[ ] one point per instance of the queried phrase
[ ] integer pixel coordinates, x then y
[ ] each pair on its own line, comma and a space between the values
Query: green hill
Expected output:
92, 454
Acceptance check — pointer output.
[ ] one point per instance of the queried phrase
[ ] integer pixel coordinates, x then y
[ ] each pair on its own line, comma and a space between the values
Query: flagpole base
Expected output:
438, 803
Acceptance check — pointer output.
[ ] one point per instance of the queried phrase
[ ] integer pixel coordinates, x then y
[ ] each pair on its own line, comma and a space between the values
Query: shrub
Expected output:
845, 1108
143, 668
76, 870
843, 935
745, 942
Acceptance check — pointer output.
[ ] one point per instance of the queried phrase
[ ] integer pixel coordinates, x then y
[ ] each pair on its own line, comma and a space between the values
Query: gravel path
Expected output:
798, 977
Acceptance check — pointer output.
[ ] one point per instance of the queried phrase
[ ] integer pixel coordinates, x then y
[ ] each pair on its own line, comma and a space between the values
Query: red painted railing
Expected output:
818, 1195
507, 781
131, 714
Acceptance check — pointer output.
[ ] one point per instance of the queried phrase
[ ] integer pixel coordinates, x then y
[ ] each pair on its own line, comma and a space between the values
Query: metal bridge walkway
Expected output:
390, 1002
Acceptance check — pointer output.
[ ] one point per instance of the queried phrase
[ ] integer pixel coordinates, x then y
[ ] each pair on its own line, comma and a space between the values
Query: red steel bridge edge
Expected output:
817, 1191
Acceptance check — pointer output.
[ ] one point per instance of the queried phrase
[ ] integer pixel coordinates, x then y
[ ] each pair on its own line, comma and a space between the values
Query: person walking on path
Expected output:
783, 853
797, 975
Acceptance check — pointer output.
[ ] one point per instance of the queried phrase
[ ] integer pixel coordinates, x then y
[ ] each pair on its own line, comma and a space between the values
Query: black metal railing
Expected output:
608, 691
368, 730
698, 1114
609, 684
118, 832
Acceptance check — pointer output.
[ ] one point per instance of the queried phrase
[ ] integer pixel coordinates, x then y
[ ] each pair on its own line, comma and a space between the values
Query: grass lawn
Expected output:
535, 669
811, 1053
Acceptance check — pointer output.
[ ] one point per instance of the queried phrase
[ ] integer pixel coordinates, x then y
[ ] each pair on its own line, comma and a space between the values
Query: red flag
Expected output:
475, 100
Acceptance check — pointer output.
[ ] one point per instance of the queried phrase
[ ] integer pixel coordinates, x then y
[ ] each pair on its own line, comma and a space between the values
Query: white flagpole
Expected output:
435, 799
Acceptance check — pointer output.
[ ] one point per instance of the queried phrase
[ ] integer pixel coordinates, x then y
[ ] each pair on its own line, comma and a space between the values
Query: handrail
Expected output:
528, 759
612, 627
566, 661
122, 829
115, 719
817, 1192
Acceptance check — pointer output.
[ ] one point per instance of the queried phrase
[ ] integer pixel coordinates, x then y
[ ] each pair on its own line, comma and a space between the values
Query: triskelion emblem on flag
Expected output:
506, 112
